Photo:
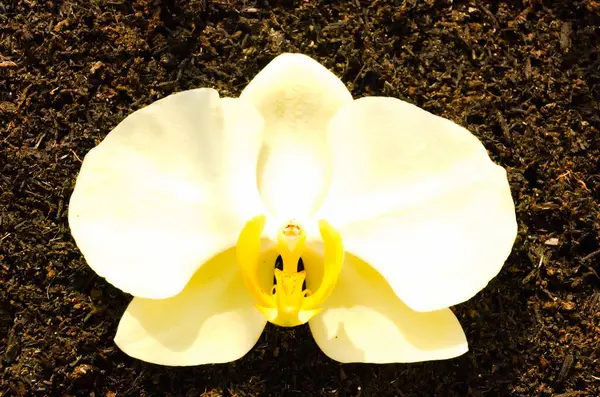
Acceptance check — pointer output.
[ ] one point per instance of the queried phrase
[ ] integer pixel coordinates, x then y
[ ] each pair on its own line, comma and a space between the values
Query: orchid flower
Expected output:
379, 215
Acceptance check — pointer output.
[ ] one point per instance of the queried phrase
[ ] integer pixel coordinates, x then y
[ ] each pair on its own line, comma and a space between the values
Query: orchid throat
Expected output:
288, 302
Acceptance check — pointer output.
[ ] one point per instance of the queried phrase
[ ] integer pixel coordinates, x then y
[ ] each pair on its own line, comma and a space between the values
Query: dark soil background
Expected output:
523, 75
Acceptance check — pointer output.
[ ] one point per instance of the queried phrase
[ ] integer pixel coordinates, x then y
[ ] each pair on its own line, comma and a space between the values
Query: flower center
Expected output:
288, 302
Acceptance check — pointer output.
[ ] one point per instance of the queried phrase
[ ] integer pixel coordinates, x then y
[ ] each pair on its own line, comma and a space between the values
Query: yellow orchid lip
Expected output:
288, 303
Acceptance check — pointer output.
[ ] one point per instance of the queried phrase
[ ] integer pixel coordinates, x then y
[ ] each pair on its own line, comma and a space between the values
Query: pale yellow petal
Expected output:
213, 320
170, 187
364, 321
418, 198
296, 97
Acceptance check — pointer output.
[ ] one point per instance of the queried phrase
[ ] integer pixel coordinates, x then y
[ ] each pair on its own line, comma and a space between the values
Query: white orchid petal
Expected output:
296, 96
170, 187
213, 320
364, 321
417, 197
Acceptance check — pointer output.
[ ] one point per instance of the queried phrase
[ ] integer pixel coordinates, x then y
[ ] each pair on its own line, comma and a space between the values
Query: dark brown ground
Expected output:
523, 75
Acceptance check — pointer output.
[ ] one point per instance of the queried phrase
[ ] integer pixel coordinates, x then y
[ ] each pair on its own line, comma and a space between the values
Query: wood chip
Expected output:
565, 36
7, 64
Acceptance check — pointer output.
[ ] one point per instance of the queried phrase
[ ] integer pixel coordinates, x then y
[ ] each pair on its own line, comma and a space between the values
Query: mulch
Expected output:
523, 75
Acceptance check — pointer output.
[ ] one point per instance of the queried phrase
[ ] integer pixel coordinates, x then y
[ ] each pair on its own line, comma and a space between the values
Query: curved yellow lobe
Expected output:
248, 252
288, 303
333, 259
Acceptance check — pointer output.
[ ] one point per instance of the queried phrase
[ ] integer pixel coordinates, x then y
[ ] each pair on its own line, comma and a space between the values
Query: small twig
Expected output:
7, 64
489, 14
591, 255
76, 156
566, 367
503, 126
